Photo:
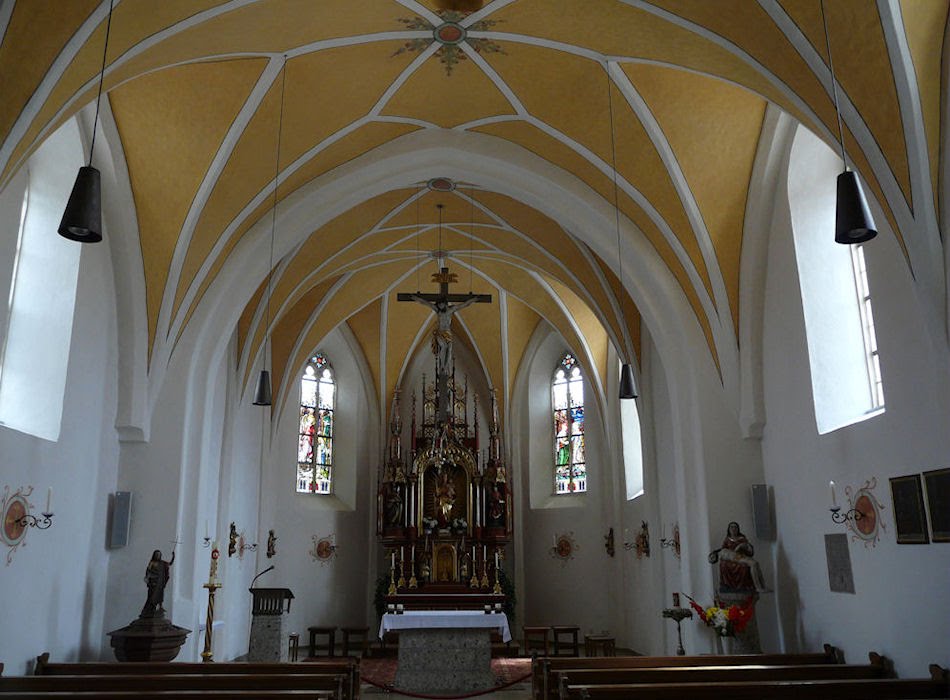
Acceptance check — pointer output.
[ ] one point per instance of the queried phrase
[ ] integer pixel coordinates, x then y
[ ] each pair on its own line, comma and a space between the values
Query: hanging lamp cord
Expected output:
613, 155
834, 83
102, 75
273, 225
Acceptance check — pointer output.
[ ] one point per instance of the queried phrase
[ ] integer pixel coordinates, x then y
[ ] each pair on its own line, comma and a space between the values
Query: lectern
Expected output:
267, 624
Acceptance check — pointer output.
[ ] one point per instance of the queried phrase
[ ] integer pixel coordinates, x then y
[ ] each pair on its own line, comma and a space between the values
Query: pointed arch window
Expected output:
315, 430
567, 399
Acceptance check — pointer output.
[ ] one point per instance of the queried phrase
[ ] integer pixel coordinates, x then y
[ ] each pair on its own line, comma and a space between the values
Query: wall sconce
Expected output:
237, 544
17, 518
672, 542
641, 542
853, 514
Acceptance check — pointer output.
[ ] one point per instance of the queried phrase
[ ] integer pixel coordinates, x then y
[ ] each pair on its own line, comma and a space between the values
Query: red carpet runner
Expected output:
507, 671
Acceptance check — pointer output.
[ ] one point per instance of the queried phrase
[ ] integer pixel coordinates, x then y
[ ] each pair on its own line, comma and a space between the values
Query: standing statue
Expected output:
444, 495
393, 505
156, 577
271, 544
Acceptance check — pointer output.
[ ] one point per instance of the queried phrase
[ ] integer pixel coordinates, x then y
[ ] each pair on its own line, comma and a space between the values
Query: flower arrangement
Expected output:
459, 525
727, 622
429, 524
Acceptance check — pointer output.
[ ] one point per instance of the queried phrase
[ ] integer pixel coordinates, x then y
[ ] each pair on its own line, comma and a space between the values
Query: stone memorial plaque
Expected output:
840, 578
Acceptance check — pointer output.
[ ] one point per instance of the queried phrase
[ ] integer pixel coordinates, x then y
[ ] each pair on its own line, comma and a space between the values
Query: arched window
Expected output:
839, 325
315, 430
567, 399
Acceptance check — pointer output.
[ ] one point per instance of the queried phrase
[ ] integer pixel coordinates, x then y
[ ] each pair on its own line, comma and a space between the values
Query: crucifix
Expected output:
445, 305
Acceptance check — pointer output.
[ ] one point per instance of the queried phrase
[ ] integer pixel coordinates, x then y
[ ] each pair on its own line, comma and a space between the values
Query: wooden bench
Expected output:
348, 666
834, 689
176, 695
706, 674
334, 683
544, 686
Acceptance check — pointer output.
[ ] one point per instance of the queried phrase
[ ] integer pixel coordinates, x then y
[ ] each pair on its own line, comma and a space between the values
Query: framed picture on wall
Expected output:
938, 501
909, 514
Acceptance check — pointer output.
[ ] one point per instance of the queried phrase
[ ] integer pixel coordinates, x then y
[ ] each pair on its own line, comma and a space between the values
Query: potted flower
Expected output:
429, 524
727, 622
459, 526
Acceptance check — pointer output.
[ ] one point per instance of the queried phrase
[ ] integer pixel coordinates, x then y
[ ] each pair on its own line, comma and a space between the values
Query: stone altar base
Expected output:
747, 641
268, 641
444, 661
148, 639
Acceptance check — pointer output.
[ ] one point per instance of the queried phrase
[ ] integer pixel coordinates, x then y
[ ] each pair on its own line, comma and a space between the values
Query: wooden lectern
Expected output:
267, 624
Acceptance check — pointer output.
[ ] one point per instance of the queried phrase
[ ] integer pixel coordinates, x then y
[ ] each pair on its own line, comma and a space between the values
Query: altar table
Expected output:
445, 651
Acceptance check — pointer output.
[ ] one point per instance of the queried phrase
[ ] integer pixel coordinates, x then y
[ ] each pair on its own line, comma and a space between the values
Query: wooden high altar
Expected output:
444, 514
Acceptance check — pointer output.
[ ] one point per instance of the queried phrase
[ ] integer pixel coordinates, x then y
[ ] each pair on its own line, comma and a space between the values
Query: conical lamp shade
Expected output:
262, 395
628, 389
82, 220
853, 222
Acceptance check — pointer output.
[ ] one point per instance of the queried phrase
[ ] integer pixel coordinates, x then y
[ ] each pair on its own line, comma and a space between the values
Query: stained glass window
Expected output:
567, 400
315, 428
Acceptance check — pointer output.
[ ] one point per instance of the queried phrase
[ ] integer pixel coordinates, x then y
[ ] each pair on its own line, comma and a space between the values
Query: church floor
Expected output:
520, 691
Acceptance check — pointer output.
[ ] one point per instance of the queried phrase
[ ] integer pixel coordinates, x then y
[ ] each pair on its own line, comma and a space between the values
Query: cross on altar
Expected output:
445, 305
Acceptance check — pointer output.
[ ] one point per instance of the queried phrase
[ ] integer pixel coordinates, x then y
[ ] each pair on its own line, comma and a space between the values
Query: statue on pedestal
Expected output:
740, 582
156, 578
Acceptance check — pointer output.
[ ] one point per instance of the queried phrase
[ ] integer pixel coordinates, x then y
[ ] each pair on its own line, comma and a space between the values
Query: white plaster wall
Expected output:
335, 592
902, 598
54, 588
576, 591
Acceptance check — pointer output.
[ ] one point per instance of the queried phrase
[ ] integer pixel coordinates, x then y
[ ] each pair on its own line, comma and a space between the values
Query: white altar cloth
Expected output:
445, 619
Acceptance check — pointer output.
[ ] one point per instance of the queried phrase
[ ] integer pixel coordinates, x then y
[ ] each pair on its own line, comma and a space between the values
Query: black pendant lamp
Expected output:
82, 220
627, 386
262, 393
853, 221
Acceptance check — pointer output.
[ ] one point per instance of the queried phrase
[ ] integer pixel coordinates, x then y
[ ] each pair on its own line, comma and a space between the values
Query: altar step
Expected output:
498, 650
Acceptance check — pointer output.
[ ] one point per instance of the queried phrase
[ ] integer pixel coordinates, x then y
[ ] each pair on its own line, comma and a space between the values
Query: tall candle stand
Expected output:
206, 655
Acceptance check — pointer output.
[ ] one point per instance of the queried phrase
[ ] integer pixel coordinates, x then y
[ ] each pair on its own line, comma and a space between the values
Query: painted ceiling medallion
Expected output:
450, 33
451, 36
441, 184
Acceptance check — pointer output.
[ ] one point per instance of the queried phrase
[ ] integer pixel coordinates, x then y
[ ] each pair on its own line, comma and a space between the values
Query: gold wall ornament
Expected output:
324, 548
866, 528
564, 546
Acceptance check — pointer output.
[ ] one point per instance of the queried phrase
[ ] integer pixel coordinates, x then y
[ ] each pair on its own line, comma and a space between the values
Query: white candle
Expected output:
49, 499
206, 528
392, 559
496, 559
834, 500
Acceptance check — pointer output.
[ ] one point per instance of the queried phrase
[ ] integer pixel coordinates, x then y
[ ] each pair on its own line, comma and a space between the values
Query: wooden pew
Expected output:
176, 695
348, 666
937, 686
333, 683
543, 685
703, 674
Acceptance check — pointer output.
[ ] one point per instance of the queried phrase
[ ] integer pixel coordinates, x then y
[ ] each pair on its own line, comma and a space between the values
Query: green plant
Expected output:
508, 588
379, 600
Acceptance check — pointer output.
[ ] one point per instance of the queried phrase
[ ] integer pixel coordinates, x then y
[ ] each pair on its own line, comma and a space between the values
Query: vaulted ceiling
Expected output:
197, 89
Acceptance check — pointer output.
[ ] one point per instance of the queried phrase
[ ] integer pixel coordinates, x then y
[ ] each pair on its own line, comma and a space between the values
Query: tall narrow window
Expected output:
567, 398
315, 431
875, 383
